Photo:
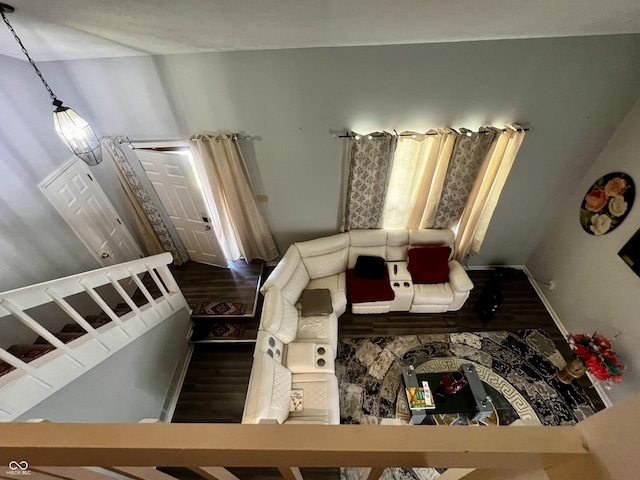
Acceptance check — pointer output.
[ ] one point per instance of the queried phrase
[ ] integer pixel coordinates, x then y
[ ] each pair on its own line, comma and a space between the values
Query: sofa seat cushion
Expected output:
319, 329
320, 398
337, 284
368, 289
432, 294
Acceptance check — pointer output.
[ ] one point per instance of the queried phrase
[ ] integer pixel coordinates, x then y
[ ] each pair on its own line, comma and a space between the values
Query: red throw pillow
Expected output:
429, 264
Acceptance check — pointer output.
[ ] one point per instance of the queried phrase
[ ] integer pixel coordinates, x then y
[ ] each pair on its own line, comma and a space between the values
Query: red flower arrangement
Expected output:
595, 353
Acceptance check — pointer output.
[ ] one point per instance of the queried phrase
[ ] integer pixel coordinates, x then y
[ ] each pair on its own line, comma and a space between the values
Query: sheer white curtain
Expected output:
417, 177
230, 196
486, 190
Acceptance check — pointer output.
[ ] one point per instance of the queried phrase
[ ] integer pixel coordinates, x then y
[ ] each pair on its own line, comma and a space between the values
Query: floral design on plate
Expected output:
607, 203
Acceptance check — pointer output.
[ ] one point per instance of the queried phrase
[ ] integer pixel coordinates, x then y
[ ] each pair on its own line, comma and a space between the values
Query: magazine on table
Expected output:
420, 398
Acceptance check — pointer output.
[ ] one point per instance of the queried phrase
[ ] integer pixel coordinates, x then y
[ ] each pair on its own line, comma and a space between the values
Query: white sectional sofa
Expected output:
323, 262
289, 341
270, 388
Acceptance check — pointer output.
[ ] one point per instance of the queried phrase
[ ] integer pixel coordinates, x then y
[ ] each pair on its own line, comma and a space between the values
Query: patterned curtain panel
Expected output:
486, 190
229, 193
154, 226
370, 163
468, 153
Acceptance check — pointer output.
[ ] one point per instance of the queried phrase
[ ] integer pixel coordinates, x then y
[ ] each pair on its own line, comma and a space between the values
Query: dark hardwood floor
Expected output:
200, 282
217, 378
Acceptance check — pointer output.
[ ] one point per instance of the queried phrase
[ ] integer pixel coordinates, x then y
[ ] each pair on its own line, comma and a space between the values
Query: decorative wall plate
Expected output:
607, 203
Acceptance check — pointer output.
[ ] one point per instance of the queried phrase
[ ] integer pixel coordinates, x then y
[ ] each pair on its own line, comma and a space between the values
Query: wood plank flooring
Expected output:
216, 382
200, 282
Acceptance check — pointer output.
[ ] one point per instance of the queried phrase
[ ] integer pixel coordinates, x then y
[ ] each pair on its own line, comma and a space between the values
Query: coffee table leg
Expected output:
417, 417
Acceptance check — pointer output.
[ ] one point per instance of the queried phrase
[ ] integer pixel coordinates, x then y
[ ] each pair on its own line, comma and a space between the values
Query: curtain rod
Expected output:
413, 134
178, 142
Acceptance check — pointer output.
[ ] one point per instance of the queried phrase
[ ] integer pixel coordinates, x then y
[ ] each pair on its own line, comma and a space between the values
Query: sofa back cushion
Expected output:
429, 264
290, 276
397, 245
431, 236
279, 316
371, 243
269, 392
325, 256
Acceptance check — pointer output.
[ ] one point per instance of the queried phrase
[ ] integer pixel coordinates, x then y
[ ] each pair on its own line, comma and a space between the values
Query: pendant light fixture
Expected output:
71, 127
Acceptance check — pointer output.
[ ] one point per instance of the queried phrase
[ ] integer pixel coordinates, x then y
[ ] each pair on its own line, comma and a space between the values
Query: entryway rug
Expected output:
218, 308
520, 366
210, 330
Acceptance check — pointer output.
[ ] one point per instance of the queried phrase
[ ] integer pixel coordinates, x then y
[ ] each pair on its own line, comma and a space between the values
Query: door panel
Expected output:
85, 207
165, 198
175, 182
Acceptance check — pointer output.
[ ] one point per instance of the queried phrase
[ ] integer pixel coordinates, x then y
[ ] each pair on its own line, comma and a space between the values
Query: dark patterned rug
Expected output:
216, 308
211, 330
517, 368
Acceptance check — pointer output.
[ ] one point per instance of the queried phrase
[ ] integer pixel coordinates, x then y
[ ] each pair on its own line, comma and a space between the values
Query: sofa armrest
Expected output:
458, 277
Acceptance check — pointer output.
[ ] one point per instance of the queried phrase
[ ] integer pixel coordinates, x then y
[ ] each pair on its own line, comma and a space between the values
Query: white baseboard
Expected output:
171, 401
565, 332
556, 319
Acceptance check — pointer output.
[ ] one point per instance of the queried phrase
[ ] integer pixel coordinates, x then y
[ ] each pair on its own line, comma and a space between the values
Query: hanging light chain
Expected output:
26, 53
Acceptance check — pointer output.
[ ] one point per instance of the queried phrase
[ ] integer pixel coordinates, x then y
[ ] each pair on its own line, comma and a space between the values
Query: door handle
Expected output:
207, 227
105, 255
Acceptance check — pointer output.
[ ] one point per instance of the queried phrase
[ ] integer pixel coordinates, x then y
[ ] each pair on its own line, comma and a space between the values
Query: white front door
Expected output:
76, 195
174, 180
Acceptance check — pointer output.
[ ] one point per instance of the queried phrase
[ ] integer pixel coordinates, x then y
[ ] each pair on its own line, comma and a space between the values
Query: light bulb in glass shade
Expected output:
77, 134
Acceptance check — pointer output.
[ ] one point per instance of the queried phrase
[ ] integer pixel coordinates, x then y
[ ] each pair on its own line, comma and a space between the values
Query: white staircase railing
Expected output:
29, 383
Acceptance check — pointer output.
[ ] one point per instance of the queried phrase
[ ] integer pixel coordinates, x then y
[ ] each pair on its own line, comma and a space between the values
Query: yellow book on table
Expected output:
420, 398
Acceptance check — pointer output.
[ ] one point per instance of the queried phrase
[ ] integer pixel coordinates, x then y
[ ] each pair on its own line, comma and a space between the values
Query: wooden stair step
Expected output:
5, 368
27, 353
101, 317
68, 333
74, 327
65, 337
121, 309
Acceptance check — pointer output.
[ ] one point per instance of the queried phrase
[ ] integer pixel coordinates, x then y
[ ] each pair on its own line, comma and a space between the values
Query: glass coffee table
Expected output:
471, 400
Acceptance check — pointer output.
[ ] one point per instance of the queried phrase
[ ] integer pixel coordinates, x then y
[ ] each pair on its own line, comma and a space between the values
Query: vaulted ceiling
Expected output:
75, 29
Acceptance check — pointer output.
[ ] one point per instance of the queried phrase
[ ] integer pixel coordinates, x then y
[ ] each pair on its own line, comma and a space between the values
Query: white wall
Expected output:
128, 386
573, 91
596, 290
35, 245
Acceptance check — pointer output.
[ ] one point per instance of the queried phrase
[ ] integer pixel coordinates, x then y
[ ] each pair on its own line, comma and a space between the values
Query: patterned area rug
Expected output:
517, 368
210, 330
216, 308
